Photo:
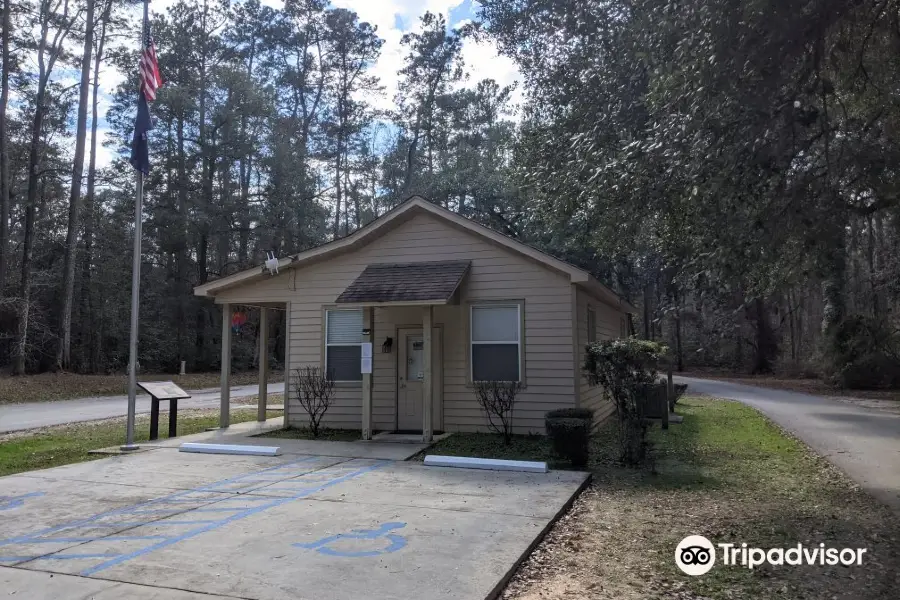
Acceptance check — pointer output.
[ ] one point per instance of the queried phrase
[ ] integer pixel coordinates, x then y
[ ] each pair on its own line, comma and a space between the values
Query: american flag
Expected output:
151, 80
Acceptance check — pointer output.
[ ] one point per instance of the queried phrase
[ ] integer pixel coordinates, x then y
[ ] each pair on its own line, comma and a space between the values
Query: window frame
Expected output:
591, 318
325, 343
520, 341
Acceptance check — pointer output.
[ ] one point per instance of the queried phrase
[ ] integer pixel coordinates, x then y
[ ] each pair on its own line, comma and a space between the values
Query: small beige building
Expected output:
439, 301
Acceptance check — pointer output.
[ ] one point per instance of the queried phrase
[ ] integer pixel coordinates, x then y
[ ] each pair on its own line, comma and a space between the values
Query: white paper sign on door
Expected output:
367, 349
365, 365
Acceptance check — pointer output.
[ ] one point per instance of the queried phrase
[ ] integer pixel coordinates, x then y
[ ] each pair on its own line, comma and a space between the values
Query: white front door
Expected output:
411, 373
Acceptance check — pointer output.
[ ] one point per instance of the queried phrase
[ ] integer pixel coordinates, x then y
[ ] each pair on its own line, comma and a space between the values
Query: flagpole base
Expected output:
129, 447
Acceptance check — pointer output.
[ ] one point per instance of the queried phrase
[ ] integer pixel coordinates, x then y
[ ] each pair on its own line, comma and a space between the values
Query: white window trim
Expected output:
325, 358
591, 315
519, 342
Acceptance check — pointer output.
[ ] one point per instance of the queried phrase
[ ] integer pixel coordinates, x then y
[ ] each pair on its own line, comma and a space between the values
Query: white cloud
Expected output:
483, 61
481, 58
392, 18
104, 155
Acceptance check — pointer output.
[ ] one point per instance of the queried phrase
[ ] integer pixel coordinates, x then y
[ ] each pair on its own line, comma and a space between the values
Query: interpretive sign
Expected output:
165, 391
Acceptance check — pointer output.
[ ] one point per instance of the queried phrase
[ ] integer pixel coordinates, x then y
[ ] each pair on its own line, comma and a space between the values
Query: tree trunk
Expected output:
206, 197
64, 343
835, 265
182, 244
337, 188
793, 327
766, 346
4, 150
21, 344
679, 350
648, 297
90, 216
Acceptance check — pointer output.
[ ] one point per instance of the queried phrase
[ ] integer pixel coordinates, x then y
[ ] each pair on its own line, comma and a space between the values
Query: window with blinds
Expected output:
496, 343
343, 339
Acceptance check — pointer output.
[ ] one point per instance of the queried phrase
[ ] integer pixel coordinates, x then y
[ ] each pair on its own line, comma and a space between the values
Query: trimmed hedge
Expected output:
570, 413
569, 429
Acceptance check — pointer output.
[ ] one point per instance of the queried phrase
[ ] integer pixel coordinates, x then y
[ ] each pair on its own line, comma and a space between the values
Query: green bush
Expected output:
571, 436
570, 413
862, 353
870, 372
623, 368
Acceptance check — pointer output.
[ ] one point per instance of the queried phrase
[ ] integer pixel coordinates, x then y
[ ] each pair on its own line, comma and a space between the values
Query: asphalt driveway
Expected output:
863, 442
31, 415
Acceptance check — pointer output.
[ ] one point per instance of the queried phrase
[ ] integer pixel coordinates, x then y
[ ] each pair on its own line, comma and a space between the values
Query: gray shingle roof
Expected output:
409, 282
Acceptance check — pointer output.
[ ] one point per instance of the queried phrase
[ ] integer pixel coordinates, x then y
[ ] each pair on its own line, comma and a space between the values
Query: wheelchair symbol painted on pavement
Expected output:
397, 542
9, 502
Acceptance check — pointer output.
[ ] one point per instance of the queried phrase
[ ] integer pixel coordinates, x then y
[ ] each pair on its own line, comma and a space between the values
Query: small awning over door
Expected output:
408, 283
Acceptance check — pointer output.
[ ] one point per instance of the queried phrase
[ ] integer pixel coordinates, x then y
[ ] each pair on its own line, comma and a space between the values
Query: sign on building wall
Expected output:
366, 360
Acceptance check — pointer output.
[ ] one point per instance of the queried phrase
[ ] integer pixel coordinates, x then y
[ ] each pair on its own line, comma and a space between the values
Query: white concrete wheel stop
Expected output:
236, 449
489, 464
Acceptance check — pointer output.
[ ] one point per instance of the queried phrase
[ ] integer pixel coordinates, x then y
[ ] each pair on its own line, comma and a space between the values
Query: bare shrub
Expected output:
497, 399
314, 389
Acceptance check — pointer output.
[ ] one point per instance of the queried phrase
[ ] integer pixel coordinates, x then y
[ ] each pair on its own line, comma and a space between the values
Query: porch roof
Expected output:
408, 283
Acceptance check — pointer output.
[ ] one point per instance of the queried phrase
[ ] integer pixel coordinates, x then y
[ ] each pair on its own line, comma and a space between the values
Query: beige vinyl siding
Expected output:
496, 273
608, 323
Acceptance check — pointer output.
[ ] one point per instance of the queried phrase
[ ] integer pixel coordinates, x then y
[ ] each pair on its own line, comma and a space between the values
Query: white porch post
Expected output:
263, 364
225, 385
287, 363
427, 326
368, 324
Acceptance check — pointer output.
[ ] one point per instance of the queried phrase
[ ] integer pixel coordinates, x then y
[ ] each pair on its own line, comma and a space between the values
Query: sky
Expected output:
392, 18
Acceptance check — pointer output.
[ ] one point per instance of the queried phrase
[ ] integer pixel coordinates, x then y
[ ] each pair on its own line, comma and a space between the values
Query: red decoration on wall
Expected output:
238, 320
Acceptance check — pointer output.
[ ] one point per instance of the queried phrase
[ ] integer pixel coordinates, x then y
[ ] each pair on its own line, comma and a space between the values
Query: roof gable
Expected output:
394, 218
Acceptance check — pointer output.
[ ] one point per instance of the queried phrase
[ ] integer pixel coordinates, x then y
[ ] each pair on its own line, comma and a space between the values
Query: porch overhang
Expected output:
407, 284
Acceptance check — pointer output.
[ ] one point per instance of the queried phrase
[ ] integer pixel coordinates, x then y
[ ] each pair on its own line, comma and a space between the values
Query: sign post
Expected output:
163, 390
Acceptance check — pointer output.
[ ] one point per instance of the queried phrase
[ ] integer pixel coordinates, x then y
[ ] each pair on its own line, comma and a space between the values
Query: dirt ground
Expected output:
732, 476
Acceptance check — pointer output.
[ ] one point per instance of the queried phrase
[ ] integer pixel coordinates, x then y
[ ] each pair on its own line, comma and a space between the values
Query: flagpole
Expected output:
135, 292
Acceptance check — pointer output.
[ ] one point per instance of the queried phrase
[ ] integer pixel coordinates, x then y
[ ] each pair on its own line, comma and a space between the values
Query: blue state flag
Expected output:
140, 152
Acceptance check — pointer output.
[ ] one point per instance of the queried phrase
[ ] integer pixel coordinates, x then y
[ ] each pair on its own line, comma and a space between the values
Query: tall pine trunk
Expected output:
92, 346
21, 344
4, 145
64, 344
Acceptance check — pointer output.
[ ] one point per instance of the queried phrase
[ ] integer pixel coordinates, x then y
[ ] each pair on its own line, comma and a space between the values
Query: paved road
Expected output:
16, 417
862, 442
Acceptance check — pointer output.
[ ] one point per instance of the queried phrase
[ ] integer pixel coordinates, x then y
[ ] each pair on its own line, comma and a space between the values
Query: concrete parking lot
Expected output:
326, 520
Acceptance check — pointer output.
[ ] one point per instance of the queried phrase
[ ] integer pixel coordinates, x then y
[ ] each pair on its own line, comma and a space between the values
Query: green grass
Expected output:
45, 387
726, 473
296, 433
67, 444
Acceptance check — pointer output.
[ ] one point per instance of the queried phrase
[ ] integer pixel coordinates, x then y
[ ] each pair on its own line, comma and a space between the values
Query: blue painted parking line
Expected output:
246, 506
76, 556
116, 538
10, 502
225, 521
156, 511
176, 497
